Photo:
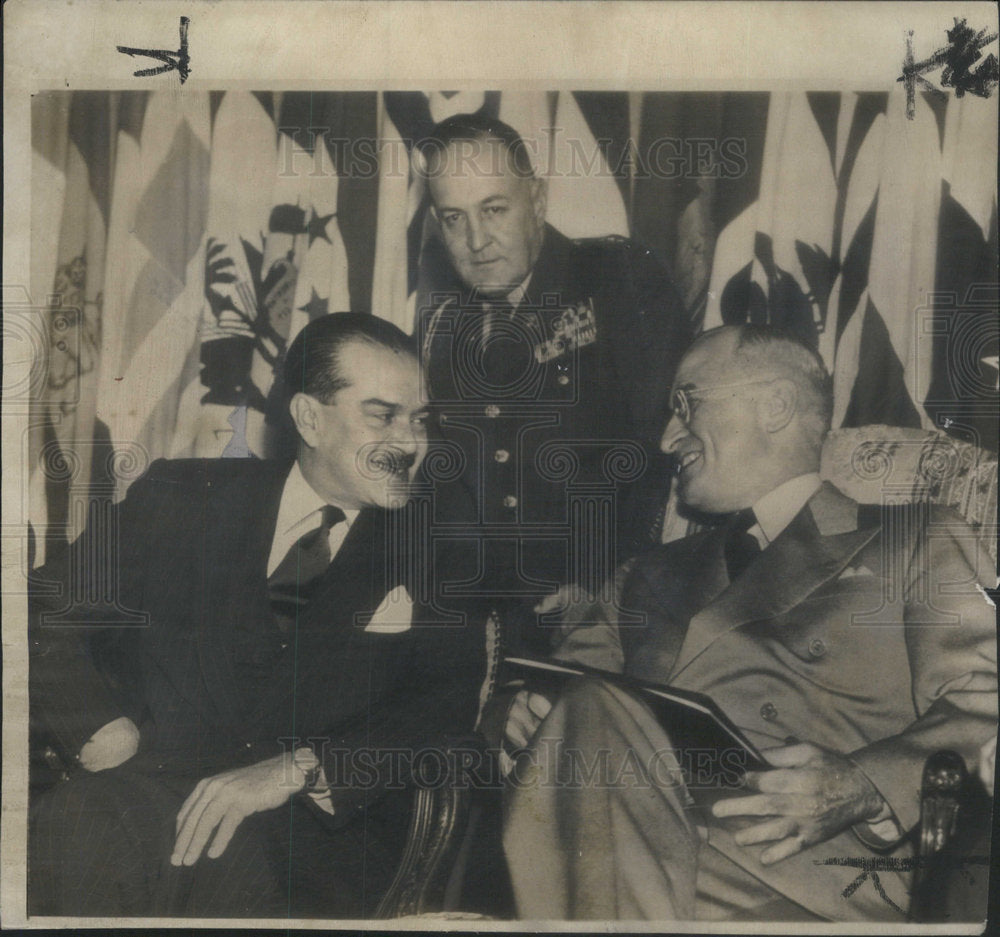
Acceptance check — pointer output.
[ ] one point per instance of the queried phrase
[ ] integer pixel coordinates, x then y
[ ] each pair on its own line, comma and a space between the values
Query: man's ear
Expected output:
779, 405
305, 415
539, 198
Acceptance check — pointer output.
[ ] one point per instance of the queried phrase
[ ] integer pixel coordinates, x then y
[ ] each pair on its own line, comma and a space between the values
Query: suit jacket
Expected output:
601, 328
194, 538
860, 628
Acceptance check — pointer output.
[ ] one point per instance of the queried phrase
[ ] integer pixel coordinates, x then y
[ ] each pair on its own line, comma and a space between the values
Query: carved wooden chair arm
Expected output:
439, 821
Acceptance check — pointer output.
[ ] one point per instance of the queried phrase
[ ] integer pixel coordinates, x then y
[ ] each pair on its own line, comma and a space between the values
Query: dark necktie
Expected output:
741, 545
499, 341
292, 583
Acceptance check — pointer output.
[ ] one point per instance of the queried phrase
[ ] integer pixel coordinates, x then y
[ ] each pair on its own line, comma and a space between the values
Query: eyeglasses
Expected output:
680, 399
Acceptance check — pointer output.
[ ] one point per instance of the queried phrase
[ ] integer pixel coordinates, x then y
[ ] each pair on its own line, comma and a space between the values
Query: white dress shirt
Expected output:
775, 511
299, 512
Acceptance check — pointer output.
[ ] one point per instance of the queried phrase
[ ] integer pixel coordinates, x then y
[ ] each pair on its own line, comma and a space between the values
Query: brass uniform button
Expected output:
510, 501
769, 712
501, 455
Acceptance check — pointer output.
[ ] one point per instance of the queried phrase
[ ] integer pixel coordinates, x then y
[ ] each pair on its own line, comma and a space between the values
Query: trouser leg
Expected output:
597, 825
100, 845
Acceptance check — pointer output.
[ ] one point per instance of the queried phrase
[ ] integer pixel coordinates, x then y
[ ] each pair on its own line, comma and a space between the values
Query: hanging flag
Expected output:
695, 167
155, 286
73, 145
860, 140
788, 272
962, 391
584, 195
243, 303
894, 354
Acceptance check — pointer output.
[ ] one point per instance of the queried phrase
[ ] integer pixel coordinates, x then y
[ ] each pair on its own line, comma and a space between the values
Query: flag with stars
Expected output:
274, 260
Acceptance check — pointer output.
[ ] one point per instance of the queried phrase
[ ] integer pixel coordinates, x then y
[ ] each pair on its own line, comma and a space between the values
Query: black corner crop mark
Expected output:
870, 866
178, 60
955, 60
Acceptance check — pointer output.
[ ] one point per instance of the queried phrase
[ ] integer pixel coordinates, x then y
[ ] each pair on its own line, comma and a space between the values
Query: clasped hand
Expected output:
218, 805
809, 796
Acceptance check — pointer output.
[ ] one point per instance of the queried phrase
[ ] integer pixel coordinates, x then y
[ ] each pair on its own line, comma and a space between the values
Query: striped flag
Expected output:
690, 204
184, 239
781, 273
856, 242
585, 196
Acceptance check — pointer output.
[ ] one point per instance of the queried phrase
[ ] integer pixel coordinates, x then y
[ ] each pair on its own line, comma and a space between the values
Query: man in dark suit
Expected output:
848, 642
244, 749
551, 362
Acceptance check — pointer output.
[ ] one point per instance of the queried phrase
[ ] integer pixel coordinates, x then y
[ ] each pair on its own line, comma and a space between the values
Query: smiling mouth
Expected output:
686, 460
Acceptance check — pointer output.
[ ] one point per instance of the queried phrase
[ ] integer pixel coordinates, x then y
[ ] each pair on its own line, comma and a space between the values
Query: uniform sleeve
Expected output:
951, 643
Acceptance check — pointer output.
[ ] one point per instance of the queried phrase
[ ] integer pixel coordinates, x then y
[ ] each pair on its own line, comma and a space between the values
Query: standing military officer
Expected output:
545, 357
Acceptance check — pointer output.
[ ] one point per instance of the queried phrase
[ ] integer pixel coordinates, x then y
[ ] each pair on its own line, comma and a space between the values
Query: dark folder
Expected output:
712, 752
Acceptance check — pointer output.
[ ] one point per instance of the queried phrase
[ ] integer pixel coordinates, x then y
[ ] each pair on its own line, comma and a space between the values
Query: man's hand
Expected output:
811, 795
526, 712
110, 746
219, 804
524, 716
565, 596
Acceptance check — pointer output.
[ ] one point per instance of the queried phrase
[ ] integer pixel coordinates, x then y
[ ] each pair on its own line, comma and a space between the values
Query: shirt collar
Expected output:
516, 295
774, 512
299, 501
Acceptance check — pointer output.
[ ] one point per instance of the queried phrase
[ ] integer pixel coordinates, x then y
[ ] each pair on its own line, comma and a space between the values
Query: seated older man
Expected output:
847, 642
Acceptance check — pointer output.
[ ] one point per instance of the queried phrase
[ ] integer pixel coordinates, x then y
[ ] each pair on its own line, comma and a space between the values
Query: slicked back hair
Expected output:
471, 131
313, 363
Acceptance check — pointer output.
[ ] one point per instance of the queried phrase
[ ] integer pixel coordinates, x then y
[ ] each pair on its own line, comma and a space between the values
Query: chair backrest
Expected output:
876, 463
892, 463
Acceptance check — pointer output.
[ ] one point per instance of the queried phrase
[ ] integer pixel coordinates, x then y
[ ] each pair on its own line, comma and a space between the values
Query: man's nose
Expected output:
476, 235
676, 430
409, 436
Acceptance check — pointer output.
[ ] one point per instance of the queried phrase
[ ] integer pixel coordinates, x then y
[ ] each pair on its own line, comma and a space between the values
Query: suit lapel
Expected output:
239, 530
670, 591
357, 576
356, 581
813, 549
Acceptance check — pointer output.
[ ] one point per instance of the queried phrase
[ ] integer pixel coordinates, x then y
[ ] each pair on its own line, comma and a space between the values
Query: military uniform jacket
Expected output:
569, 388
